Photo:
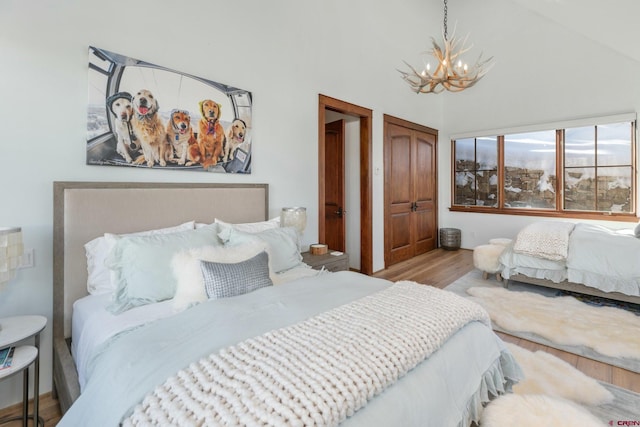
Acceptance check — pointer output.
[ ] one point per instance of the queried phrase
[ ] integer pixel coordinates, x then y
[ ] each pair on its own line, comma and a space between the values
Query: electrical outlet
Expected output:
27, 260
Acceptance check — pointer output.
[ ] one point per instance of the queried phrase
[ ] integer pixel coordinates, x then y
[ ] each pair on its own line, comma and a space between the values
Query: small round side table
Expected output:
13, 330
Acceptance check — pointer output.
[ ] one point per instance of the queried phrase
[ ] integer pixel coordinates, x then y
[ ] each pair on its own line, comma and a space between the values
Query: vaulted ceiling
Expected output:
613, 23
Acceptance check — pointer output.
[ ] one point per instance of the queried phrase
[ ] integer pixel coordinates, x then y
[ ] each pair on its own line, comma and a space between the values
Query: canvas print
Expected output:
147, 116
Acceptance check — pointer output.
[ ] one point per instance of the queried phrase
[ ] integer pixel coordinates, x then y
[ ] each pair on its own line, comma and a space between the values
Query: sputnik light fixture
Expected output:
451, 73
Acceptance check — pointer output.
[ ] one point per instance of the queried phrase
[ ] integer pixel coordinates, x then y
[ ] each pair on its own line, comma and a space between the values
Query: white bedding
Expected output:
599, 257
317, 372
93, 325
448, 389
516, 263
605, 259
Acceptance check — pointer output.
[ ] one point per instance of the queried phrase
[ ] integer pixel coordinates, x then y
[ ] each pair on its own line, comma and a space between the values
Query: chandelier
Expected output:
451, 72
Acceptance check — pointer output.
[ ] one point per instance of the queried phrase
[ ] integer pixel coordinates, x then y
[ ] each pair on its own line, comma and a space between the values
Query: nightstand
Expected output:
13, 330
328, 261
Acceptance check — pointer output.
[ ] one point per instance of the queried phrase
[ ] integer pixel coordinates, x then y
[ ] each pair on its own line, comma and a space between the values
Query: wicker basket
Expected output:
450, 239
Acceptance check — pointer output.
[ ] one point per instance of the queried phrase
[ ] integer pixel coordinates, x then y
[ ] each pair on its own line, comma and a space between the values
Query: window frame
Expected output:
559, 211
476, 171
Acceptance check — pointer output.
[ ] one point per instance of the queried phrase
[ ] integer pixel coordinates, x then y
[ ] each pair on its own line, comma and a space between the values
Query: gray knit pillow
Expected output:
222, 280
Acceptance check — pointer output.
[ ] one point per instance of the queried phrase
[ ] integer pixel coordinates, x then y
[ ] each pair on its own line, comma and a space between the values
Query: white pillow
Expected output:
253, 227
142, 265
282, 244
186, 269
97, 250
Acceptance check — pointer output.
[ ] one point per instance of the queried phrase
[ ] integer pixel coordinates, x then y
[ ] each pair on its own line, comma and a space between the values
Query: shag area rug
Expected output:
554, 393
535, 410
547, 374
606, 334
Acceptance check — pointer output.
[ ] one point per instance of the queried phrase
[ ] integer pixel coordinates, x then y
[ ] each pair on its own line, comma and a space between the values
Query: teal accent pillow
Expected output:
141, 265
282, 245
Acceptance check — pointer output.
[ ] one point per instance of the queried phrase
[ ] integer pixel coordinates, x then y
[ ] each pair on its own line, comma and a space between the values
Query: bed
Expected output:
584, 258
135, 362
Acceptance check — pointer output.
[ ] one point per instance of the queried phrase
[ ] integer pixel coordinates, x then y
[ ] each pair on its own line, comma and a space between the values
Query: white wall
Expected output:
543, 73
285, 52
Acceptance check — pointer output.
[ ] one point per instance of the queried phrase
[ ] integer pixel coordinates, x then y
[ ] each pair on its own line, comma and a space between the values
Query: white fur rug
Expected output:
564, 320
547, 374
534, 410
548, 396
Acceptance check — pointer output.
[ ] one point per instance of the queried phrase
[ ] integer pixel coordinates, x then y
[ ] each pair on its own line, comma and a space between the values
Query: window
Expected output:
579, 171
598, 170
476, 171
530, 170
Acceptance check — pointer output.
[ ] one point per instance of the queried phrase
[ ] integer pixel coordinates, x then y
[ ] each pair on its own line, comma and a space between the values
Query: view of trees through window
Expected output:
596, 170
476, 171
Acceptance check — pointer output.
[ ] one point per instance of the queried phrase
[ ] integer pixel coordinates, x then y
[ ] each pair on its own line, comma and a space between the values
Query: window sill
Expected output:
601, 216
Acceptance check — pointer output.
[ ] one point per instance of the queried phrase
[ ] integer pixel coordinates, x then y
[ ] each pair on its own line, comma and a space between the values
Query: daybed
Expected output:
584, 258
315, 348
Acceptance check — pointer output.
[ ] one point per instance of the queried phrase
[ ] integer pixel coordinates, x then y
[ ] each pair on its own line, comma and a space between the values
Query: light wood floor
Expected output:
437, 268
48, 409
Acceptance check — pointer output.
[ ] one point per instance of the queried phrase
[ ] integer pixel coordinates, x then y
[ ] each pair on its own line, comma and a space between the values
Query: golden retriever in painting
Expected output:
180, 136
149, 129
120, 106
235, 136
211, 137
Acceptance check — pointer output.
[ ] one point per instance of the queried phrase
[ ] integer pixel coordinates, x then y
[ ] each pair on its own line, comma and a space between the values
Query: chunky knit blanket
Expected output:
544, 239
317, 372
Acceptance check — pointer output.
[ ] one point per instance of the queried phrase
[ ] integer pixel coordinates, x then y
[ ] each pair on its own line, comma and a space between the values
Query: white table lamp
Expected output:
10, 252
294, 217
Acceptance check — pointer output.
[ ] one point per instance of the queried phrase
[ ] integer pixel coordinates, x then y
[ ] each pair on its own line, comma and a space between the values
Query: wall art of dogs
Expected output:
180, 136
235, 136
149, 129
211, 137
120, 106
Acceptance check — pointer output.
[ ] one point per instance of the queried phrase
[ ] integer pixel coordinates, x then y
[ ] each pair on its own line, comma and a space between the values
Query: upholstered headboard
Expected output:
85, 210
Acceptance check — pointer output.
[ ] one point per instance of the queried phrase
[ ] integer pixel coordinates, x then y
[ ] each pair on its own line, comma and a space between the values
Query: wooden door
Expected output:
398, 194
424, 193
334, 185
410, 190
365, 142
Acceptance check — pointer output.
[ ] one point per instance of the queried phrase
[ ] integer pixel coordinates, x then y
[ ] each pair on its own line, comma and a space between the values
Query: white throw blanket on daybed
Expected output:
545, 239
316, 372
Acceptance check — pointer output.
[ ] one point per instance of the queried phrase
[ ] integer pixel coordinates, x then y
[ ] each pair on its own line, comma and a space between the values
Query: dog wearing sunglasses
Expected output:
180, 137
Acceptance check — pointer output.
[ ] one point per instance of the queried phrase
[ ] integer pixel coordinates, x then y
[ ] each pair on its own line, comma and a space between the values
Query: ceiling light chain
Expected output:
445, 19
451, 73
